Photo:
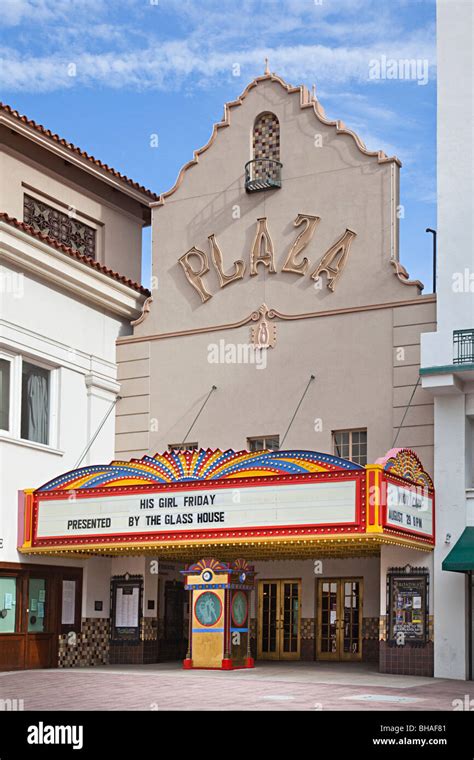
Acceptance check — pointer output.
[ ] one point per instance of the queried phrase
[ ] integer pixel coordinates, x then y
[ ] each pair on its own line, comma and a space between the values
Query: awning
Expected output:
461, 557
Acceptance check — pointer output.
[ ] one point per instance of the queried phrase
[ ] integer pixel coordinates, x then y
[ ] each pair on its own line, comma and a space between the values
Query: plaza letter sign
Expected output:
173, 511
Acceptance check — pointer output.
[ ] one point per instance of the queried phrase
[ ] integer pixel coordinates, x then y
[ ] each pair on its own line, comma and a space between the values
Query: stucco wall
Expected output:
365, 361
117, 221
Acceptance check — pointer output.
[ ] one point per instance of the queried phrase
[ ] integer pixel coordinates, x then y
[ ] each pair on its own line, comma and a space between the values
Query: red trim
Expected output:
88, 260
74, 149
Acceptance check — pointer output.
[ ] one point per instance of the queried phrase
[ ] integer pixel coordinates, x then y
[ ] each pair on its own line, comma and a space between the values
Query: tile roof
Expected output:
4, 217
61, 141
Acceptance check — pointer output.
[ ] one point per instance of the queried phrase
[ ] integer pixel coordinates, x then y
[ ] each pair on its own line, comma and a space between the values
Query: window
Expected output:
35, 403
5, 366
65, 228
351, 444
28, 400
183, 446
7, 605
263, 172
270, 442
266, 138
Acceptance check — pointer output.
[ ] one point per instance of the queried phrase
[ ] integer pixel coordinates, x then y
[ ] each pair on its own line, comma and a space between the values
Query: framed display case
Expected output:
407, 605
126, 592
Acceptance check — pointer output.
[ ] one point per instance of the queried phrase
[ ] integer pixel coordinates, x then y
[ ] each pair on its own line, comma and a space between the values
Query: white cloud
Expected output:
15, 12
164, 66
136, 44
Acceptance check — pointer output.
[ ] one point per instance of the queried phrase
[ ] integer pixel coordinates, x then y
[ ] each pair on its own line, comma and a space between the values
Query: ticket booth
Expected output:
219, 619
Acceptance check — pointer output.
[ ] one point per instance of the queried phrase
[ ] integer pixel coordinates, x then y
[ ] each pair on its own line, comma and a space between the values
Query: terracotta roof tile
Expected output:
4, 217
61, 141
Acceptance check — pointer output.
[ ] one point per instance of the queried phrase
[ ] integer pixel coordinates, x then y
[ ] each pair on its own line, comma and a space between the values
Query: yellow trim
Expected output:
377, 526
28, 526
268, 548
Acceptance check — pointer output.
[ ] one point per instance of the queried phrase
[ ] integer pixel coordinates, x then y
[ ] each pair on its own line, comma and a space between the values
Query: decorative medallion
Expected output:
239, 609
208, 609
263, 335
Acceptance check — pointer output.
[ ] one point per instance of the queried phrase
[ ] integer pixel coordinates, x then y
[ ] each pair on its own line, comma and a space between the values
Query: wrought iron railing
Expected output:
463, 345
262, 174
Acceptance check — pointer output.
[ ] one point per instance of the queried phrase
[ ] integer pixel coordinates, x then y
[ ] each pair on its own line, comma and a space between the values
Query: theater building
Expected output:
274, 370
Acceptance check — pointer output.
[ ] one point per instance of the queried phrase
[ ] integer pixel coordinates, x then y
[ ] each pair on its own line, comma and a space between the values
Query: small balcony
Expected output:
463, 345
262, 174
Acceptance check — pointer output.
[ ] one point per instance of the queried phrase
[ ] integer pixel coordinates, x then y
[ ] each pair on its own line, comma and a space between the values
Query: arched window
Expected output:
266, 137
263, 171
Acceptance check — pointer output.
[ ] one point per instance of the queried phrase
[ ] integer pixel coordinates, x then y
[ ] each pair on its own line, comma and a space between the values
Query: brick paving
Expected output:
270, 686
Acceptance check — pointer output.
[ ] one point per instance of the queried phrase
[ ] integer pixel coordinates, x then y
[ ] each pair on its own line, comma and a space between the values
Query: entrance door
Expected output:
174, 644
279, 619
339, 619
39, 636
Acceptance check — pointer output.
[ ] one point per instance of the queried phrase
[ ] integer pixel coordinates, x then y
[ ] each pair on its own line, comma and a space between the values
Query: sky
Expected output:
111, 75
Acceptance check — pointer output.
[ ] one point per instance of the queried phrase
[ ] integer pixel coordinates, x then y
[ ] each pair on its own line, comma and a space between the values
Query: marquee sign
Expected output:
315, 503
209, 497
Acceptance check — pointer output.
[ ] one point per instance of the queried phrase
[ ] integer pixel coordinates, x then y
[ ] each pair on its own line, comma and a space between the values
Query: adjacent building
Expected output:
70, 263
447, 369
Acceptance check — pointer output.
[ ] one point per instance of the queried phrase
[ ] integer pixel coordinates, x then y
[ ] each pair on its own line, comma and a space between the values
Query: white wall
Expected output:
449, 588
77, 341
455, 35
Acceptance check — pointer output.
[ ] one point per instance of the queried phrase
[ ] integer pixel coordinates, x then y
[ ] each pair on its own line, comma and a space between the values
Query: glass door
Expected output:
279, 619
351, 620
37, 605
328, 621
339, 619
40, 641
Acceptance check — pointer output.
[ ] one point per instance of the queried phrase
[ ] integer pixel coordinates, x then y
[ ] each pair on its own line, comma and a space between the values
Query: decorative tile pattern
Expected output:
148, 629
307, 628
266, 137
370, 628
64, 228
411, 659
92, 645
407, 660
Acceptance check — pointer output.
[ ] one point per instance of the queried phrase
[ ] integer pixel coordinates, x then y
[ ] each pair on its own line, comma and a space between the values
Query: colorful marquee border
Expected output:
205, 464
